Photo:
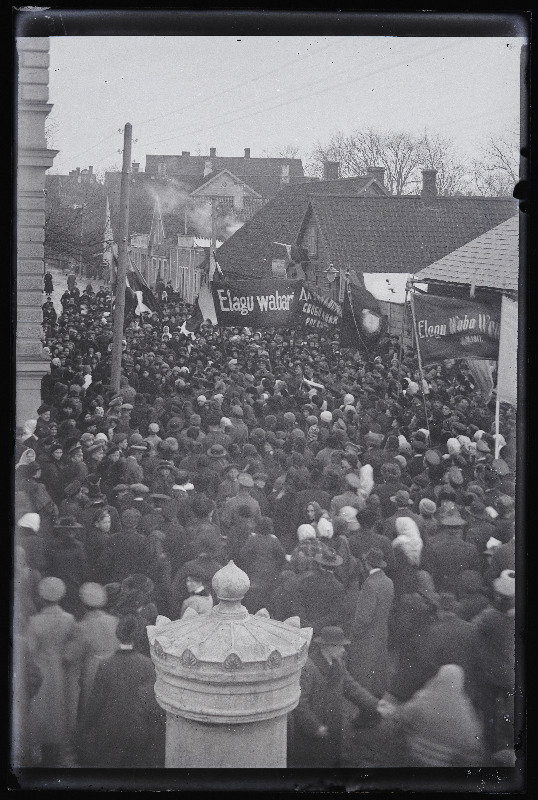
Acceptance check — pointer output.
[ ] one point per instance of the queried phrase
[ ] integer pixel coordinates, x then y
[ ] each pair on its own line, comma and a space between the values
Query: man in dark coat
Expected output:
122, 724
320, 594
315, 727
127, 553
368, 657
446, 555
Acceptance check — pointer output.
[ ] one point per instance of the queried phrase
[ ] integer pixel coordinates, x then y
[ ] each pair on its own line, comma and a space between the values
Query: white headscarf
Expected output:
28, 429
409, 539
366, 477
305, 532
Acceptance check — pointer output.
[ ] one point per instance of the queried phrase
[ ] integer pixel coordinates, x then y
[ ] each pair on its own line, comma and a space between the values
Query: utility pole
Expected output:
123, 257
213, 237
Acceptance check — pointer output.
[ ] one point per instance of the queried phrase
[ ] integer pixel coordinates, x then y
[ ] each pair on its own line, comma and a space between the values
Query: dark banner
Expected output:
273, 304
255, 303
315, 311
362, 320
449, 327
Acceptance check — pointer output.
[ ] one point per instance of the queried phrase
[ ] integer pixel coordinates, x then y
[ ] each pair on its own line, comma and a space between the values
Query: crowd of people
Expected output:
357, 496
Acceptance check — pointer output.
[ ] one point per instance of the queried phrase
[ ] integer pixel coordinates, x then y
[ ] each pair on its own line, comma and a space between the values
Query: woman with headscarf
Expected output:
407, 548
32, 497
28, 438
441, 725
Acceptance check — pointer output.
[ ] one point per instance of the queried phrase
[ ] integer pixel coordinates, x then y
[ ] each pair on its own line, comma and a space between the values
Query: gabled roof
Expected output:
243, 167
214, 175
251, 249
490, 260
403, 234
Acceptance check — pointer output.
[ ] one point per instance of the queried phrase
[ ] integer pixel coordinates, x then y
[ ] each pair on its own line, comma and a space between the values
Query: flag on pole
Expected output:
141, 293
362, 320
192, 324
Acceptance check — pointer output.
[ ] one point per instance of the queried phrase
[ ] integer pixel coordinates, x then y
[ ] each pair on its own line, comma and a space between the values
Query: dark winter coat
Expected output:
367, 656
122, 725
445, 556
323, 689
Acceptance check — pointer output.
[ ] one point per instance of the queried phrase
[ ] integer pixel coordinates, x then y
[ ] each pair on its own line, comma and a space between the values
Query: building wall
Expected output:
33, 160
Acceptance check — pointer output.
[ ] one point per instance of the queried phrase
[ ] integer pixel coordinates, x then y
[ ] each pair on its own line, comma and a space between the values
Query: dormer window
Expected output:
311, 240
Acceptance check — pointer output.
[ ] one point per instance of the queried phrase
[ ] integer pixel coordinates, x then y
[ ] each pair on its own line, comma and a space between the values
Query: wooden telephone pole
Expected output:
123, 259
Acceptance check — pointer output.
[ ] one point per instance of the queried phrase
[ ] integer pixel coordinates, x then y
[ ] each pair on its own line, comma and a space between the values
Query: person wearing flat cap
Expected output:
51, 711
315, 727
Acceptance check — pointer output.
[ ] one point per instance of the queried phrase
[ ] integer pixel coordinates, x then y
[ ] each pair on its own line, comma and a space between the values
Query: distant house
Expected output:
149, 252
264, 176
252, 249
186, 184
355, 224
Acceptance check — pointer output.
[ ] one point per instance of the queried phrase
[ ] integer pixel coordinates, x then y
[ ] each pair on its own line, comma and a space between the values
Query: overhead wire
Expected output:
294, 99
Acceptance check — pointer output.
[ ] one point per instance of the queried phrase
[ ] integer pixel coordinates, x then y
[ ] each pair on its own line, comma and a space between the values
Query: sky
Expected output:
193, 93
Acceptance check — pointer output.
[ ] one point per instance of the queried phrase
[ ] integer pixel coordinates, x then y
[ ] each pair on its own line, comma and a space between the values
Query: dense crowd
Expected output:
356, 496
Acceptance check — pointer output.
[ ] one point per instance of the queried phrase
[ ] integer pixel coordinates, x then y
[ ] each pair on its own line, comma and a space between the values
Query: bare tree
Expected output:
398, 151
285, 151
453, 172
496, 169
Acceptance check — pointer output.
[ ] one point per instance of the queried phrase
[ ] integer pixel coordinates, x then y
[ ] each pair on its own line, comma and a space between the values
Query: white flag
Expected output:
507, 366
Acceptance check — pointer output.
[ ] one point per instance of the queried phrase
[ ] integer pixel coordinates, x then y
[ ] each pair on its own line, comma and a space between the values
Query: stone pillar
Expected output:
227, 680
33, 160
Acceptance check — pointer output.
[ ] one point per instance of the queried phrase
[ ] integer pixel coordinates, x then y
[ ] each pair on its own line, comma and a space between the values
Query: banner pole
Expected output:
421, 371
404, 319
497, 416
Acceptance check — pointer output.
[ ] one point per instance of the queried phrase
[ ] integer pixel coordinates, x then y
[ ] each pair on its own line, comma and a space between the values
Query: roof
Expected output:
240, 166
251, 249
403, 234
214, 175
490, 260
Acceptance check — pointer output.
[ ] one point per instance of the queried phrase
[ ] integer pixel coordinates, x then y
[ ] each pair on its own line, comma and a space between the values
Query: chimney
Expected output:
208, 167
90, 170
331, 170
378, 173
136, 166
212, 152
247, 152
185, 153
429, 185
285, 174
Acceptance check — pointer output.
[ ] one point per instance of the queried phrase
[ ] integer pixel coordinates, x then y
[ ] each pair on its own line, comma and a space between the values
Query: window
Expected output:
311, 239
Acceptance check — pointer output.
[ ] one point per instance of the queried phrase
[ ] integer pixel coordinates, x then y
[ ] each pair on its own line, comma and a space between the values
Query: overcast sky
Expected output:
193, 93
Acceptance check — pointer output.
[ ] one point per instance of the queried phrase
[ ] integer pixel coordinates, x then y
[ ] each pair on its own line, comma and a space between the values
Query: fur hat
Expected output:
51, 589
93, 595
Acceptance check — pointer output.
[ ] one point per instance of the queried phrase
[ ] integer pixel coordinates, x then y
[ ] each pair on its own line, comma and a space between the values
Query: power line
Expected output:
306, 96
209, 97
